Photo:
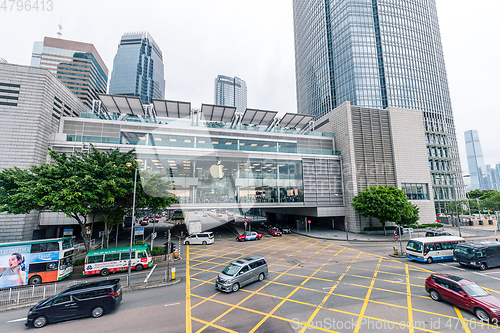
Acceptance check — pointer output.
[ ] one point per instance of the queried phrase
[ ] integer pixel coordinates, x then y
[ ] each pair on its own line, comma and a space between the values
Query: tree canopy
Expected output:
386, 203
82, 184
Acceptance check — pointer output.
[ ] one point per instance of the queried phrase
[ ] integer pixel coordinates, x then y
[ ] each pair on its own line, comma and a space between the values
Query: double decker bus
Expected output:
116, 259
35, 262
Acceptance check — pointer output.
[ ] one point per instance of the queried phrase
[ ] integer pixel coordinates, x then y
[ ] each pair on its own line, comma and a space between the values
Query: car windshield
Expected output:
231, 269
474, 290
414, 246
464, 250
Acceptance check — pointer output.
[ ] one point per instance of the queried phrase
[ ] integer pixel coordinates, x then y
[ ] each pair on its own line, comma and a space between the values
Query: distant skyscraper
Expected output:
475, 161
379, 54
138, 68
3, 61
78, 65
231, 91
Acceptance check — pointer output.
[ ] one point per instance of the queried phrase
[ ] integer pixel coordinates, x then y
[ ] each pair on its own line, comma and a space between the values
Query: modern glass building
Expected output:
78, 65
138, 68
475, 161
379, 54
231, 91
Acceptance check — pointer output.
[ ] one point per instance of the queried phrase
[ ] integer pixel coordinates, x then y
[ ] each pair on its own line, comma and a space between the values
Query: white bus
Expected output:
430, 249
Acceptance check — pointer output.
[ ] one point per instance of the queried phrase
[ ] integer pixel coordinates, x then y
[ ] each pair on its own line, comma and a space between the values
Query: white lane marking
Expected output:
172, 304
460, 269
491, 277
147, 277
13, 321
497, 272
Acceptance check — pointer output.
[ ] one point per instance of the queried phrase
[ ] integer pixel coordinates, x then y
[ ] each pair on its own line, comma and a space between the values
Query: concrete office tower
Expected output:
138, 68
231, 91
475, 161
78, 65
379, 54
32, 103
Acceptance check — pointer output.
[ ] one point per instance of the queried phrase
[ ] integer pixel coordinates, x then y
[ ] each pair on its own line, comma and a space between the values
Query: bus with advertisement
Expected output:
116, 259
34, 262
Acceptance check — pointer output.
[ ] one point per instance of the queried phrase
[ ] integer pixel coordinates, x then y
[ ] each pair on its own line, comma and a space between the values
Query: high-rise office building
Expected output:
231, 91
138, 68
379, 54
78, 65
475, 160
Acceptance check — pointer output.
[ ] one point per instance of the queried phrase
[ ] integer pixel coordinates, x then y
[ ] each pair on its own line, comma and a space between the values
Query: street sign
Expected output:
309, 221
245, 223
88, 231
153, 235
139, 231
68, 232
346, 224
101, 233
395, 235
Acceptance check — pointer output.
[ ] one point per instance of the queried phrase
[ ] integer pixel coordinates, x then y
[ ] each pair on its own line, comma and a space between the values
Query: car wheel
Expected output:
261, 276
97, 311
235, 287
37, 279
483, 266
204, 243
482, 315
104, 272
139, 267
434, 295
40, 322
429, 260
186, 243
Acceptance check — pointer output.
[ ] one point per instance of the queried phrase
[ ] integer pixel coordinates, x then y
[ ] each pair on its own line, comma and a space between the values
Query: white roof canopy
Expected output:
172, 109
122, 104
258, 117
295, 120
219, 113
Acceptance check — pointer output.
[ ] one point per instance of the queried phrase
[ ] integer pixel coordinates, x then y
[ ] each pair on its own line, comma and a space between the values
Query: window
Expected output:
112, 257
416, 191
61, 299
45, 247
244, 270
124, 256
94, 259
141, 255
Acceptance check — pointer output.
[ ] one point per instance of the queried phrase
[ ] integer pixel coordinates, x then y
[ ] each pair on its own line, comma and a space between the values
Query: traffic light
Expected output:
166, 234
165, 247
172, 247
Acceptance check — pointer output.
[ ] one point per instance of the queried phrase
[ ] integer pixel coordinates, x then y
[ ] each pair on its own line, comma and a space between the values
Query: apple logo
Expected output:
216, 170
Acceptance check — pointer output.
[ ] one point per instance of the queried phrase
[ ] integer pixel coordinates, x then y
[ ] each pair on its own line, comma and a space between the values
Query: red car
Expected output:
248, 235
273, 231
465, 294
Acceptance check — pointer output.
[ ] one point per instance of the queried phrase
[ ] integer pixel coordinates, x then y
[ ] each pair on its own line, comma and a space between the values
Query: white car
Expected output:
202, 238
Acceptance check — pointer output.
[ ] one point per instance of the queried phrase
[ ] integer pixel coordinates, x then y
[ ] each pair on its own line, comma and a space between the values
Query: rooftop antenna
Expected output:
59, 33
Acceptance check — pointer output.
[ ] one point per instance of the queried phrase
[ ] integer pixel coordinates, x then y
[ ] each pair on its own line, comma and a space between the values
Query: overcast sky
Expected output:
253, 39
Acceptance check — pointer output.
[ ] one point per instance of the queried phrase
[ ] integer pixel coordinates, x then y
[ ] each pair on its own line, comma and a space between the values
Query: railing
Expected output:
27, 294
80, 247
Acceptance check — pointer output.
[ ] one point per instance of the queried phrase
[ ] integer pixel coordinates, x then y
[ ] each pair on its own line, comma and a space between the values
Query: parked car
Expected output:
285, 229
242, 272
248, 235
274, 231
436, 233
465, 294
479, 254
203, 238
81, 300
144, 222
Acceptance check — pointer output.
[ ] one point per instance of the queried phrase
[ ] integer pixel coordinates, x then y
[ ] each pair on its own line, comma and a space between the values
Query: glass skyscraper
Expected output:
475, 161
78, 65
138, 68
231, 91
379, 54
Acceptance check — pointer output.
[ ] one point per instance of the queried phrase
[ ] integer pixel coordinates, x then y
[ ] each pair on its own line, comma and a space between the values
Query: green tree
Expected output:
386, 203
492, 203
97, 184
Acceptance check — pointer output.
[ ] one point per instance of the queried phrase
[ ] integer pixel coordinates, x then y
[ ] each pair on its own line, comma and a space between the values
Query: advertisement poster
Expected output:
14, 266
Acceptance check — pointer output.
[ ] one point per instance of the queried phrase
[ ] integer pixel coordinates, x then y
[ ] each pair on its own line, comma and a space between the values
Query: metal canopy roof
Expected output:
258, 117
295, 120
122, 104
172, 109
218, 113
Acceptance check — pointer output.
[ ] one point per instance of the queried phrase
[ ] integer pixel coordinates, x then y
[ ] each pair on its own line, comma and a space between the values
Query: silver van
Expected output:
242, 272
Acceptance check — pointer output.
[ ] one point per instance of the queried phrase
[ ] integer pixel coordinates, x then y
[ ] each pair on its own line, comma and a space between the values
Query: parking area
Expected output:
320, 285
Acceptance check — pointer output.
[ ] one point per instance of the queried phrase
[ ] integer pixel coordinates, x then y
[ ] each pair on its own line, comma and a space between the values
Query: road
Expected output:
313, 285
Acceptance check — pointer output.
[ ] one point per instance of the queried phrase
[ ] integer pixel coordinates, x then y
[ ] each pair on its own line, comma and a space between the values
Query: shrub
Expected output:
157, 251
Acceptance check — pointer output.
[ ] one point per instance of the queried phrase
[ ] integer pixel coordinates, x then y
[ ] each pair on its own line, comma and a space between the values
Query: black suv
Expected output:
436, 233
81, 300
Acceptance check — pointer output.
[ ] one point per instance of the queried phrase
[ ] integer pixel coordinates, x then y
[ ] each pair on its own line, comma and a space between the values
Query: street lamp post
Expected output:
131, 226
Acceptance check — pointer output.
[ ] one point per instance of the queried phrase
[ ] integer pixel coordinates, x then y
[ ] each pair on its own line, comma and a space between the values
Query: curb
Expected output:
345, 240
154, 284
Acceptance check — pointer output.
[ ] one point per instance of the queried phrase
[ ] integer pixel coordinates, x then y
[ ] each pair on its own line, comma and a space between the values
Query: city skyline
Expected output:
231, 91
263, 54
